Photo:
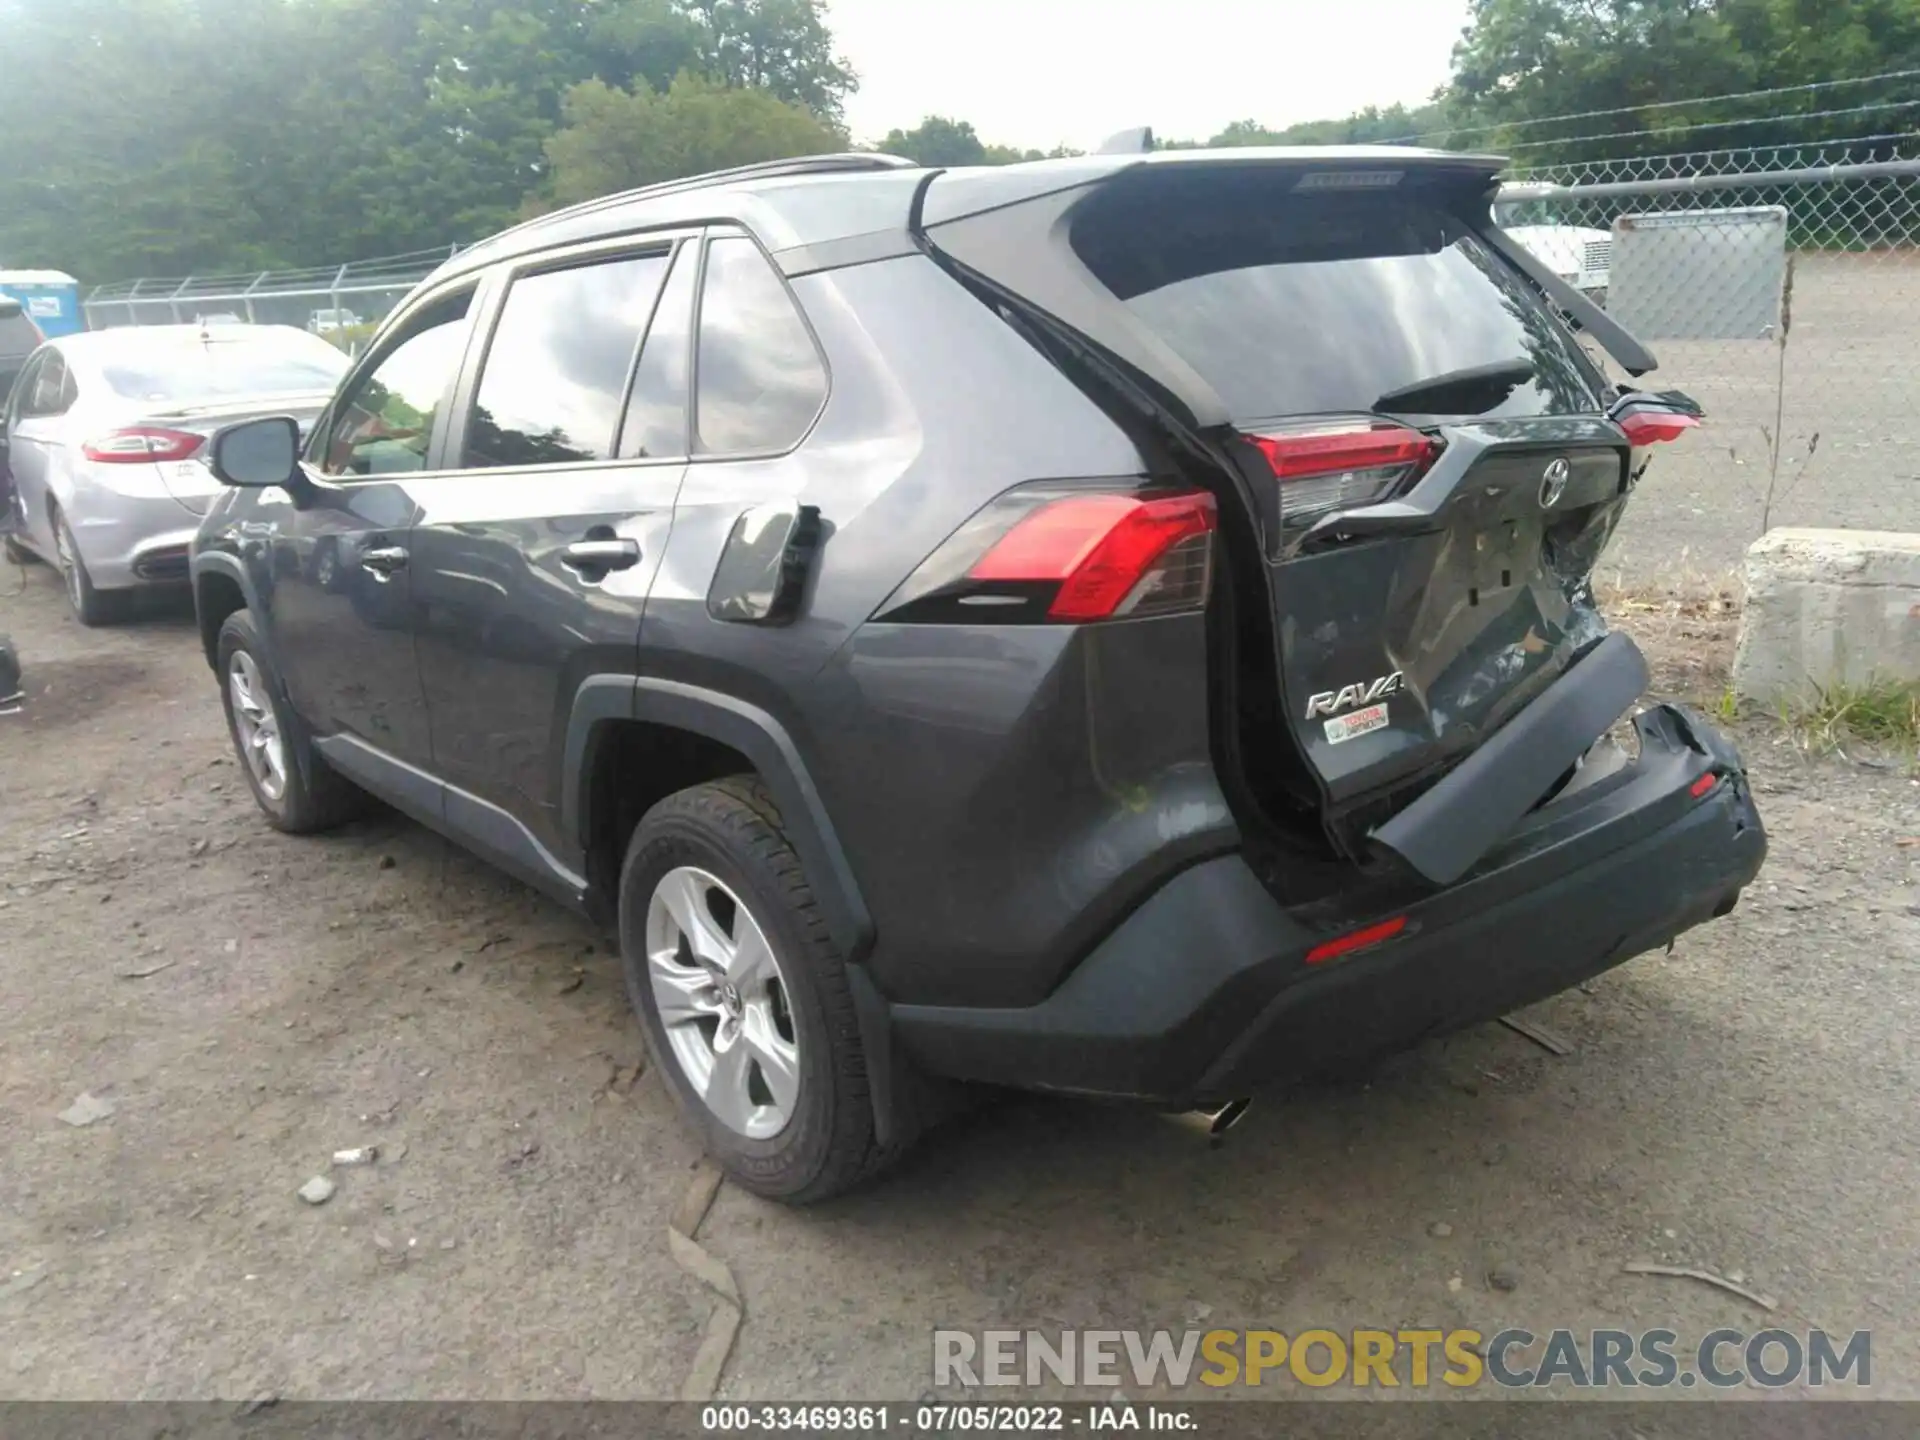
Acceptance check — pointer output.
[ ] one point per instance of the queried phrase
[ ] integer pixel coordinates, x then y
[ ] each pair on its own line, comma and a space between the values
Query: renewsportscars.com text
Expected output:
1417, 1359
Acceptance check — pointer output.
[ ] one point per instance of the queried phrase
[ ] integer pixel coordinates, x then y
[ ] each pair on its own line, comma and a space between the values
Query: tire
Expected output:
90, 606
296, 790
816, 1140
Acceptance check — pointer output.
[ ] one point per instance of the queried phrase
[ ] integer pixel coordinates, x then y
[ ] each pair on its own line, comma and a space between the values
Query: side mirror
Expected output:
256, 454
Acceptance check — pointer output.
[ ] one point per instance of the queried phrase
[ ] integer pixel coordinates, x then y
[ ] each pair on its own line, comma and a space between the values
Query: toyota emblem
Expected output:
1553, 484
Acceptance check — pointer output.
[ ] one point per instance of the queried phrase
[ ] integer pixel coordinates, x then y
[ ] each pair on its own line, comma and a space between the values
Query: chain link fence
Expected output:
341, 302
1781, 289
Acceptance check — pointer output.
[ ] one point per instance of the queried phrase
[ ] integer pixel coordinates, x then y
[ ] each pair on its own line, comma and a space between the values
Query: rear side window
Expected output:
759, 379
555, 376
1292, 302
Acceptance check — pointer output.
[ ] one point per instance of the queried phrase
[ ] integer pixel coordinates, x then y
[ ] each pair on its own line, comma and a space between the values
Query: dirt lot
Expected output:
1745, 1104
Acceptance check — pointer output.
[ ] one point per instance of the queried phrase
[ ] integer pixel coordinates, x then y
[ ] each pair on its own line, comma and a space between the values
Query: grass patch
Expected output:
1884, 714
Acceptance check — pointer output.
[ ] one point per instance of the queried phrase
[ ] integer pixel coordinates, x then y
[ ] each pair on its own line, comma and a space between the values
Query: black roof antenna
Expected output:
1137, 141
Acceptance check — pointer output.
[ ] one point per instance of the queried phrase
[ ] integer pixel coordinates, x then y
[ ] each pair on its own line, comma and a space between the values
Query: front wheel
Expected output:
744, 997
296, 790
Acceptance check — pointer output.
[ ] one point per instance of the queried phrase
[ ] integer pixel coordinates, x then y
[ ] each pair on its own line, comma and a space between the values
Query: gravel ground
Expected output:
1744, 1104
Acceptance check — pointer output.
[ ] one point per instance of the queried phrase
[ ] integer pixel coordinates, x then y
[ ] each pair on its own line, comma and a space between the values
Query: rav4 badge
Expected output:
1332, 702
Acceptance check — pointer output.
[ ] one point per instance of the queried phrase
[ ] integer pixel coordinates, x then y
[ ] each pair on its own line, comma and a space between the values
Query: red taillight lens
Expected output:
1326, 467
1356, 940
1655, 427
1049, 554
143, 445
1110, 554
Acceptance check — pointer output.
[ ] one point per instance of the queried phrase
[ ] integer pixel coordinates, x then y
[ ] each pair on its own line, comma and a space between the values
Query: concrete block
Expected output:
1825, 606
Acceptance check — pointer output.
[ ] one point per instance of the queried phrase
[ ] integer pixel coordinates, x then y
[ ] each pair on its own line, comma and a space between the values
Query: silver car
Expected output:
102, 472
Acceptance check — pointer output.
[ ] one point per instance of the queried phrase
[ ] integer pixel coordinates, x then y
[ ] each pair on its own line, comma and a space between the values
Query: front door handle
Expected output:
617, 553
383, 561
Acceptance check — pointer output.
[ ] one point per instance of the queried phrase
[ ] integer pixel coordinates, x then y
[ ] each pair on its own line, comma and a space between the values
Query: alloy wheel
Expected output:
257, 726
723, 1002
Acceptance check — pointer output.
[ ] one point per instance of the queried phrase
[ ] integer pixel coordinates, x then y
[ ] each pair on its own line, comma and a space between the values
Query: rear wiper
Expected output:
1451, 393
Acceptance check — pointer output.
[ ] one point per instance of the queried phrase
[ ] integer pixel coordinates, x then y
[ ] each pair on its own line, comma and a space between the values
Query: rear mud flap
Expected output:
1444, 833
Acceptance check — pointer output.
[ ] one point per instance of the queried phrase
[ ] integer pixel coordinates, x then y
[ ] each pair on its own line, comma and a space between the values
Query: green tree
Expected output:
167, 136
780, 46
618, 140
940, 141
1524, 62
1371, 126
937, 140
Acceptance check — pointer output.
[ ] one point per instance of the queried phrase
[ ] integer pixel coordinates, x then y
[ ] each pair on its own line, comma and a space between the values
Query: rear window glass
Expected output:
220, 369
1291, 303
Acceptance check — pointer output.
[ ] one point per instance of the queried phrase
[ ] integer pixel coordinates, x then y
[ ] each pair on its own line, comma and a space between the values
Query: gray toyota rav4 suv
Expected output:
1117, 626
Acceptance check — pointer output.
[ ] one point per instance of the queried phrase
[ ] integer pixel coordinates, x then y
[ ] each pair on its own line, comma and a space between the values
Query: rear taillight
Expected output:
142, 445
1047, 554
1328, 466
1654, 427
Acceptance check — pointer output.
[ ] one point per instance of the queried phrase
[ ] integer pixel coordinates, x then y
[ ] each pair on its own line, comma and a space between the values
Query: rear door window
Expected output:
1291, 302
555, 377
759, 381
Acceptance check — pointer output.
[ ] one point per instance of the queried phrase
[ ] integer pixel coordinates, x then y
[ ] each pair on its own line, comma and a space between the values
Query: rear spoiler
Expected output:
1614, 337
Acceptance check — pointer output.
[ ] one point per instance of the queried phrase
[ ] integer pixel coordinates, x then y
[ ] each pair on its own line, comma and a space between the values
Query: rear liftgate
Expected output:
1429, 463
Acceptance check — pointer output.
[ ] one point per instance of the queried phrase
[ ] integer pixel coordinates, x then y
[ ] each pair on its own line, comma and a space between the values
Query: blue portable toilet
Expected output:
51, 297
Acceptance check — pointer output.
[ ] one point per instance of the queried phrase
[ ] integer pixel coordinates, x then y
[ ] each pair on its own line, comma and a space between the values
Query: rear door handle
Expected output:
383, 561
618, 553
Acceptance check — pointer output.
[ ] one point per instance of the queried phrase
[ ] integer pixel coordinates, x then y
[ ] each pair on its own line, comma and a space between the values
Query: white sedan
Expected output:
101, 466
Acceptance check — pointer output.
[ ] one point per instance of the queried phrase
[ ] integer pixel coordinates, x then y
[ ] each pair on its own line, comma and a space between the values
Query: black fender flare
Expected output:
603, 699
232, 567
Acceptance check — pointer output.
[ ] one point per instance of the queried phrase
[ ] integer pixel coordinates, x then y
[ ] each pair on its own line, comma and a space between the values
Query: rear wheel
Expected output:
296, 790
744, 997
90, 605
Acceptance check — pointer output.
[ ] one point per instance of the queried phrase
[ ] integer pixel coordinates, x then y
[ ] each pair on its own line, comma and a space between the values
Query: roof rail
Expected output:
847, 162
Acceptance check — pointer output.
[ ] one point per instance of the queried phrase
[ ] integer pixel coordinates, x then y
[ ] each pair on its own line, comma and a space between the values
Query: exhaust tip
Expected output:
1214, 1123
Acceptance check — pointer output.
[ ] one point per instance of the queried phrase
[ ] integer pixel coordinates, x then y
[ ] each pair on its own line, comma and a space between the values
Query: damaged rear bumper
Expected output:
1206, 990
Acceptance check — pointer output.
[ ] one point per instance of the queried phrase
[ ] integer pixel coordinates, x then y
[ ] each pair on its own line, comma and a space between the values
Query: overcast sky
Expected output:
1041, 73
